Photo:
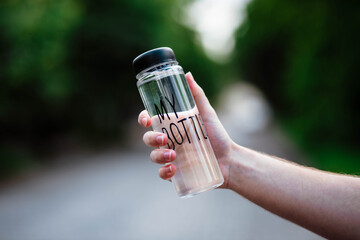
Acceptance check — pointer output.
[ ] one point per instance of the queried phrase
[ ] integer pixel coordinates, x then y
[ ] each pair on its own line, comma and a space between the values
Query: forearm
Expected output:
325, 203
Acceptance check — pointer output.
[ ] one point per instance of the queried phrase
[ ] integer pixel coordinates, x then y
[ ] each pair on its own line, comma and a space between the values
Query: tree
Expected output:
303, 55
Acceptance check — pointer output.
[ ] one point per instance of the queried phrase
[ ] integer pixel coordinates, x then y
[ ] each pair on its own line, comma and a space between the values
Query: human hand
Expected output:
219, 139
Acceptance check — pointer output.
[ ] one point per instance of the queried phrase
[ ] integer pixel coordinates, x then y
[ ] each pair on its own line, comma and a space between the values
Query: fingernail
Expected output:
167, 156
144, 122
160, 139
170, 169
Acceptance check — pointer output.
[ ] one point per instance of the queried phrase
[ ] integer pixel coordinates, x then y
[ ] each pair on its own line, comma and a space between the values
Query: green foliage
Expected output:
109, 38
303, 55
36, 34
337, 158
65, 66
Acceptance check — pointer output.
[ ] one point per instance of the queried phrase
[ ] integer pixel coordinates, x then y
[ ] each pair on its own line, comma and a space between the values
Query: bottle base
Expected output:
191, 193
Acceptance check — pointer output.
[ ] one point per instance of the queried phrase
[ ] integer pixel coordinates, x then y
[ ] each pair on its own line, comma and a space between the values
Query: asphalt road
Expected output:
116, 194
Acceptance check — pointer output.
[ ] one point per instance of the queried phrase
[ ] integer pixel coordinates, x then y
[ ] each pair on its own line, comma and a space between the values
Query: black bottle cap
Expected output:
153, 57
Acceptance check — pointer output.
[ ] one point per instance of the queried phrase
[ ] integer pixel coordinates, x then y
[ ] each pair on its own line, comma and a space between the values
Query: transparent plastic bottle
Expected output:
167, 97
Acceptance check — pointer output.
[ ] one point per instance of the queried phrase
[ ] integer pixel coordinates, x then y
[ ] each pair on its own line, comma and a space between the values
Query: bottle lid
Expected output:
153, 57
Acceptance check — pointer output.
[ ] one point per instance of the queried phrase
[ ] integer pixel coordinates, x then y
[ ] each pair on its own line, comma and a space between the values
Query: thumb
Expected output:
205, 109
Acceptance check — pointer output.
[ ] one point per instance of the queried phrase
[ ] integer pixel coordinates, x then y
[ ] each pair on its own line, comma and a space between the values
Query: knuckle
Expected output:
154, 155
146, 137
143, 113
161, 173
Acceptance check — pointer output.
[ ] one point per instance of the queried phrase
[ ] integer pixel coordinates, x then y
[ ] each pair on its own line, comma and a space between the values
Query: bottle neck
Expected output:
159, 67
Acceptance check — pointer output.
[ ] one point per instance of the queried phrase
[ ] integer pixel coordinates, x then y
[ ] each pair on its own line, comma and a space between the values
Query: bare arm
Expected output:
323, 202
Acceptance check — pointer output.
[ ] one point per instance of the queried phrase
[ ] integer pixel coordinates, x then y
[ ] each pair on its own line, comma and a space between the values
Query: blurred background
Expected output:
283, 76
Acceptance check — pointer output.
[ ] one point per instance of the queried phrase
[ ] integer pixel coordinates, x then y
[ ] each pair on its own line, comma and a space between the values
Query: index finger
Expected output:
144, 119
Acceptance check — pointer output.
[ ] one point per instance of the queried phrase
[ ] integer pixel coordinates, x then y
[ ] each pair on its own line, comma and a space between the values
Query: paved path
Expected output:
117, 195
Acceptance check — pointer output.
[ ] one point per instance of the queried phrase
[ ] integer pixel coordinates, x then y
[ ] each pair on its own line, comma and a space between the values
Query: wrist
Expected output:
241, 163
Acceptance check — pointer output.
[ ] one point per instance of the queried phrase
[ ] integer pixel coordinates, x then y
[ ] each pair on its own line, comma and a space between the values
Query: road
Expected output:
116, 194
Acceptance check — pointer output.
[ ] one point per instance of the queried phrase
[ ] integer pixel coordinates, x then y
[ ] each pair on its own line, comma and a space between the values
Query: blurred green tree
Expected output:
303, 55
34, 79
65, 67
111, 35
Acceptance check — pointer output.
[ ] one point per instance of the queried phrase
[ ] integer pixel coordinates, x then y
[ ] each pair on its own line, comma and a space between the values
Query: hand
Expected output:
220, 140
323, 202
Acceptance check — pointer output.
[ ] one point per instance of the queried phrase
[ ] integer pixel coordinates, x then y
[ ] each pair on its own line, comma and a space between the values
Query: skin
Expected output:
323, 202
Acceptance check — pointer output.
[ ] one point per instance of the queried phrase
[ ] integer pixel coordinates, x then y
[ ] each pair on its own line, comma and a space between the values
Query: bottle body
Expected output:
167, 98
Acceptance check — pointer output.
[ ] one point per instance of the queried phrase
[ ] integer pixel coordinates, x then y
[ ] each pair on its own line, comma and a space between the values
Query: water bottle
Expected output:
171, 106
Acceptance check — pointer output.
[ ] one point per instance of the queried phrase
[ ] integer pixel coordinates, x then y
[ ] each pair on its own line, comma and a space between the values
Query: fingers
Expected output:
162, 156
144, 119
167, 171
155, 139
200, 98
